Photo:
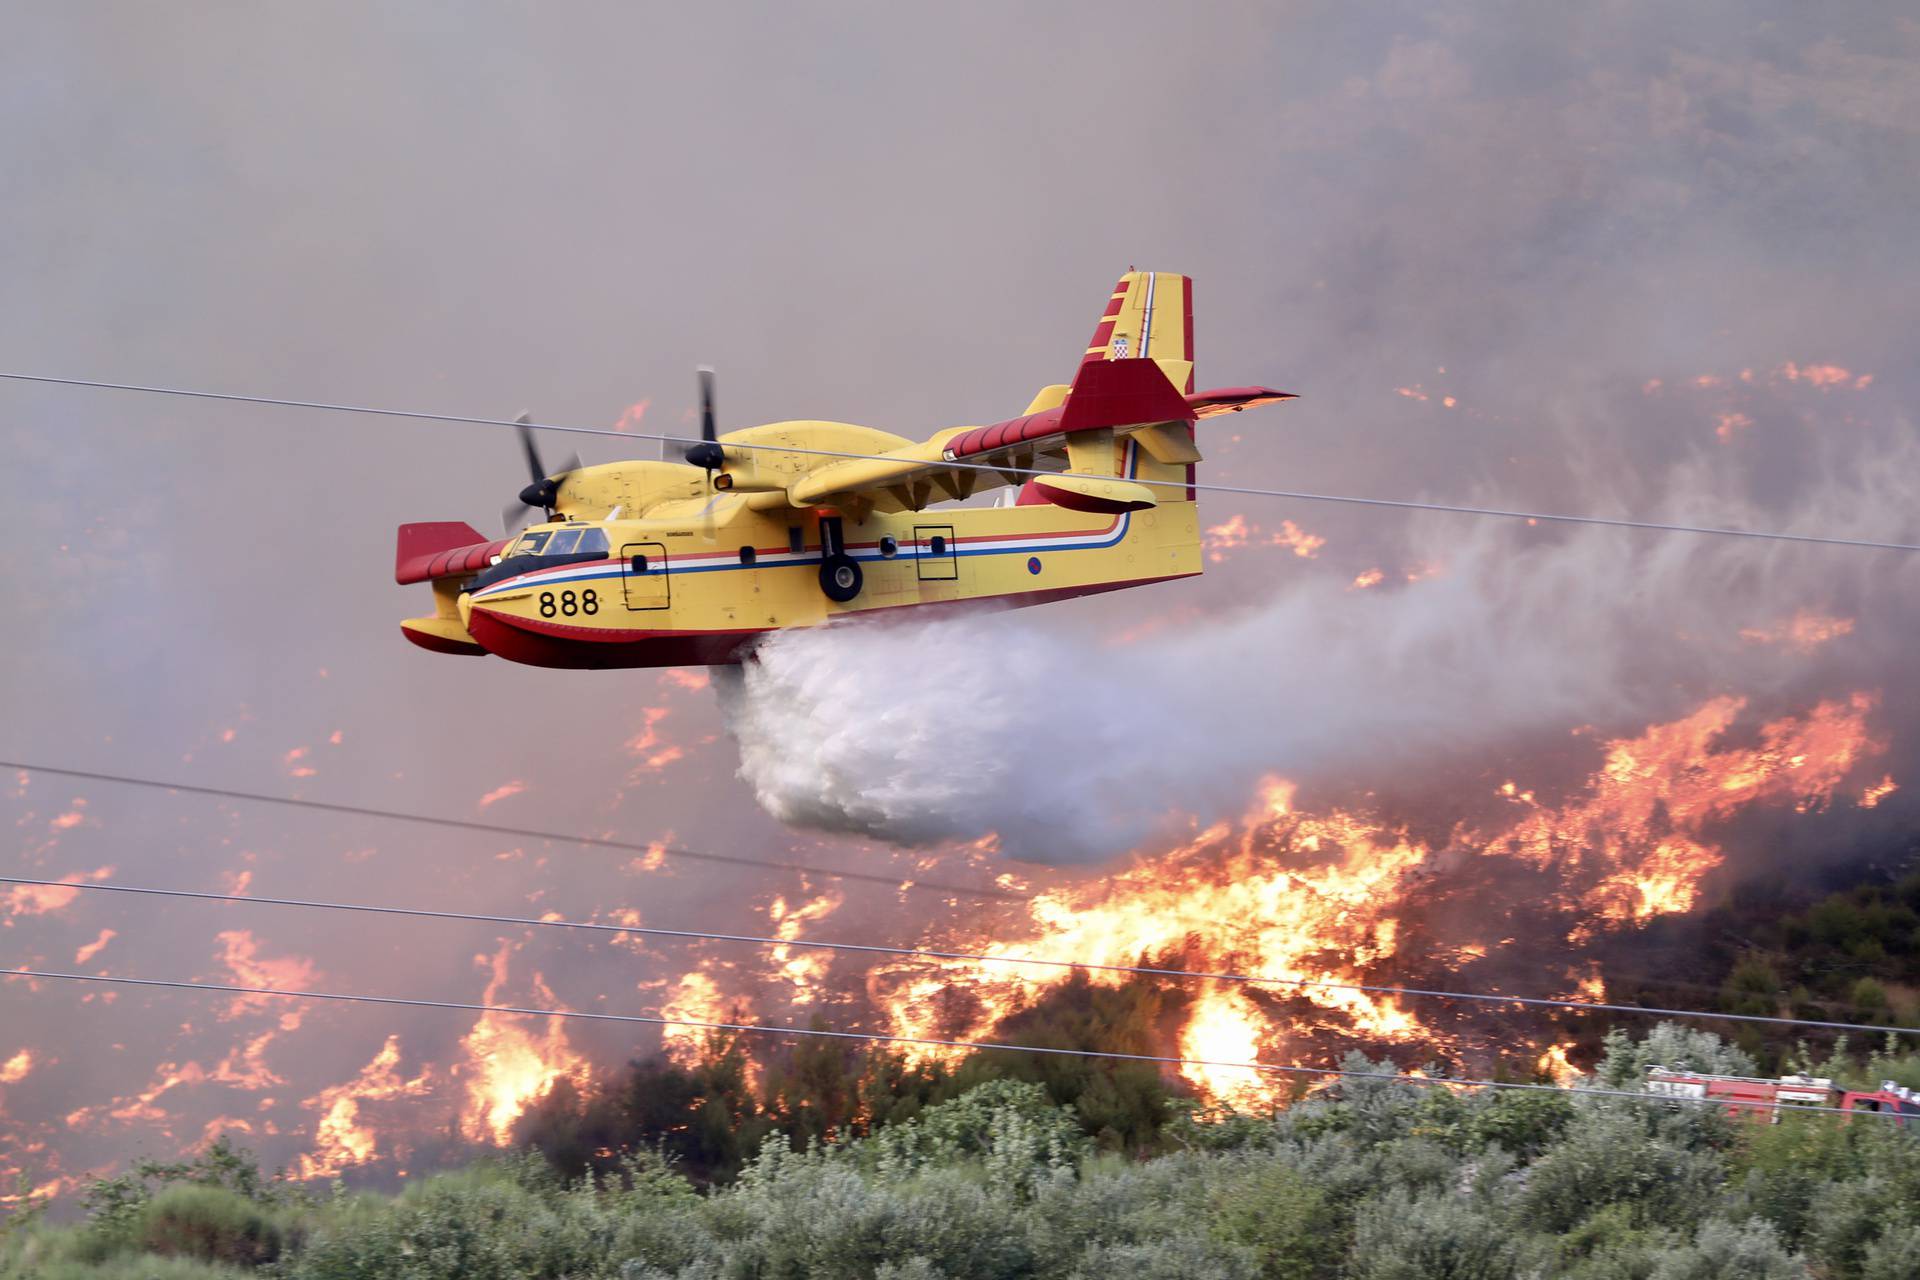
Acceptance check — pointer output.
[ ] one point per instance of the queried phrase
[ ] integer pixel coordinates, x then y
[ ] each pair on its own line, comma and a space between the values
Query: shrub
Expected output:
1435, 1237
1008, 1126
1732, 1251
127, 1267
1609, 1157
1521, 1122
1625, 1062
1893, 1256
210, 1223
1282, 1218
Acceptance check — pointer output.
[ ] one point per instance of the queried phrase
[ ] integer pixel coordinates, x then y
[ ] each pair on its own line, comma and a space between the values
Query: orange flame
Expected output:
508, 1065
341, 1137
1804, 632
15, 1069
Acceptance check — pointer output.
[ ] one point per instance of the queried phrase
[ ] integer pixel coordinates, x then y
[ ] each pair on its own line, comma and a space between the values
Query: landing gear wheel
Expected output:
840, 577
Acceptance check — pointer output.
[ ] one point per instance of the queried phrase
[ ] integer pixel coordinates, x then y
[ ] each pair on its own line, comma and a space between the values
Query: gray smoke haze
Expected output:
899, 215
1071, 746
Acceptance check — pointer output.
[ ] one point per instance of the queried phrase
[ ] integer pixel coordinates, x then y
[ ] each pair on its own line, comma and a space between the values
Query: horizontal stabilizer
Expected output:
438, 548
1209, 404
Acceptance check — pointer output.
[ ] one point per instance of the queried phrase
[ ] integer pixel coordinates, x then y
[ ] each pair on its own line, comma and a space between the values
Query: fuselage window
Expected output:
562, 544
592, 540
748, 555
937, 545
889, 548
796, 539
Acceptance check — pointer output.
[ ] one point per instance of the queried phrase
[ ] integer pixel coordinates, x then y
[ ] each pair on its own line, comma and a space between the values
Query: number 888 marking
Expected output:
567, 604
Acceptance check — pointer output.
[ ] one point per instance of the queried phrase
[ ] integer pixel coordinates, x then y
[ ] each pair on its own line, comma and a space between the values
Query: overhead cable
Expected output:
878, 1038
897, 883
1152, 971
992, 468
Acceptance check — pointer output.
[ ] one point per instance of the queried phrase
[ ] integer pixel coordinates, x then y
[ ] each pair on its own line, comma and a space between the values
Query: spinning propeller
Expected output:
545, 489
708, 455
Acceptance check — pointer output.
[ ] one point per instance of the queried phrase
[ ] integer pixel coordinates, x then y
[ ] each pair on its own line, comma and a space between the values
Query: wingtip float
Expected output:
652, 564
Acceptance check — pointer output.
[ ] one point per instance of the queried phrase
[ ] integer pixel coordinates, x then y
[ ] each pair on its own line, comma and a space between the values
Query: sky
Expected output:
1606, 258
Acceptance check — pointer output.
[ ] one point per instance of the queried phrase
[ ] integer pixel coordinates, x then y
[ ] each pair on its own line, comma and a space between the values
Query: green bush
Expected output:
1284, 1219
1374, 1180
210, 1223
1436, 1237
127, 1267
1732, 1251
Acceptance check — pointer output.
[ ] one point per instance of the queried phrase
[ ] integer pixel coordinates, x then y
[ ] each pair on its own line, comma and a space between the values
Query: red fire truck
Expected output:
1756, 1098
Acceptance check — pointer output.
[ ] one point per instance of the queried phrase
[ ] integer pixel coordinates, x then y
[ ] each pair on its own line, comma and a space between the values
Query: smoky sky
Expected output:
1562, 220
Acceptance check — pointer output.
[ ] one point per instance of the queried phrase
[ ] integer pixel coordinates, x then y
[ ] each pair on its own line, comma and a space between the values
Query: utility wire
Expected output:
519, 833
877, 1038
995, 469
1151, 971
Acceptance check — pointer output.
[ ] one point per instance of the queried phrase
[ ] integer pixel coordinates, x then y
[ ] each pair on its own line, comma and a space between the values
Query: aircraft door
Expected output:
935, 557
644, 576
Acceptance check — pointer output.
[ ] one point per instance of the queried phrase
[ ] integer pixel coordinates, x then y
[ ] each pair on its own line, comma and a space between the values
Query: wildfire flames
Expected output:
1309, 899
508, 1065
1296, 896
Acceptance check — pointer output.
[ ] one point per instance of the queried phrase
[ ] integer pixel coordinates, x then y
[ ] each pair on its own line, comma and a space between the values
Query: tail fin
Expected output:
1150, 315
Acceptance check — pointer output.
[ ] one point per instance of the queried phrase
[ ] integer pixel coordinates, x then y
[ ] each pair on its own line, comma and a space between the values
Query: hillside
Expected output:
1371, 1179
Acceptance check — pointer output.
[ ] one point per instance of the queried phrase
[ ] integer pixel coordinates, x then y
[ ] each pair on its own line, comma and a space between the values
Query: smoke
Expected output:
1072, 745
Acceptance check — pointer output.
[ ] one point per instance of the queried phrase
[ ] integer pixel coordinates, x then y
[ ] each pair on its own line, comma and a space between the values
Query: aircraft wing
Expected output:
1126, 397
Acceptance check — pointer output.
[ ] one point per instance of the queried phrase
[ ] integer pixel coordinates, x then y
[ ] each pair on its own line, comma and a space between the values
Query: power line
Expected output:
1152, 971
1242, 491
897, 883
876, 1038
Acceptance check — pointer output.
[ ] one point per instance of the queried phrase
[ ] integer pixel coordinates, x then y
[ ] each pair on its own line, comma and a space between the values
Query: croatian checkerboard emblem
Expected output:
1120, 347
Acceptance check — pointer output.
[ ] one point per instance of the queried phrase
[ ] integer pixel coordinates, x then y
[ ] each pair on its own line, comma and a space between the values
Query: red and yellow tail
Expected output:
1150, 315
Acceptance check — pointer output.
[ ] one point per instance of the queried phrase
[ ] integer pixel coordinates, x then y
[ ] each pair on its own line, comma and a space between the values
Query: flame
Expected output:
95, 947
1555, 1066
42, 899
696, 997
1368, 578
1316, 896
1821, 376
802, 970
1804, 632
631, 417
1237, 531
1879, 791
15, 1069
341, 1137
510, 1066
1223, 1028
646, 746
1295, 896
240, 953
1731, 424
501, 792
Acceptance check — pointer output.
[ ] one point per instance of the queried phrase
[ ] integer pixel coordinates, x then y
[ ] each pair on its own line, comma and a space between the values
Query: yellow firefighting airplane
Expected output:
653, 564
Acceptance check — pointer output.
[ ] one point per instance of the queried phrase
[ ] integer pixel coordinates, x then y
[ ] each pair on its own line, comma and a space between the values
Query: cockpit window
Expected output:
562, 543
531, 544
594, 540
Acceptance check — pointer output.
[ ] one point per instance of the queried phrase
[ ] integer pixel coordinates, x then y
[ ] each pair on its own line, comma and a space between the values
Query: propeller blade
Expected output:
535, 467
708, 454
544, 490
